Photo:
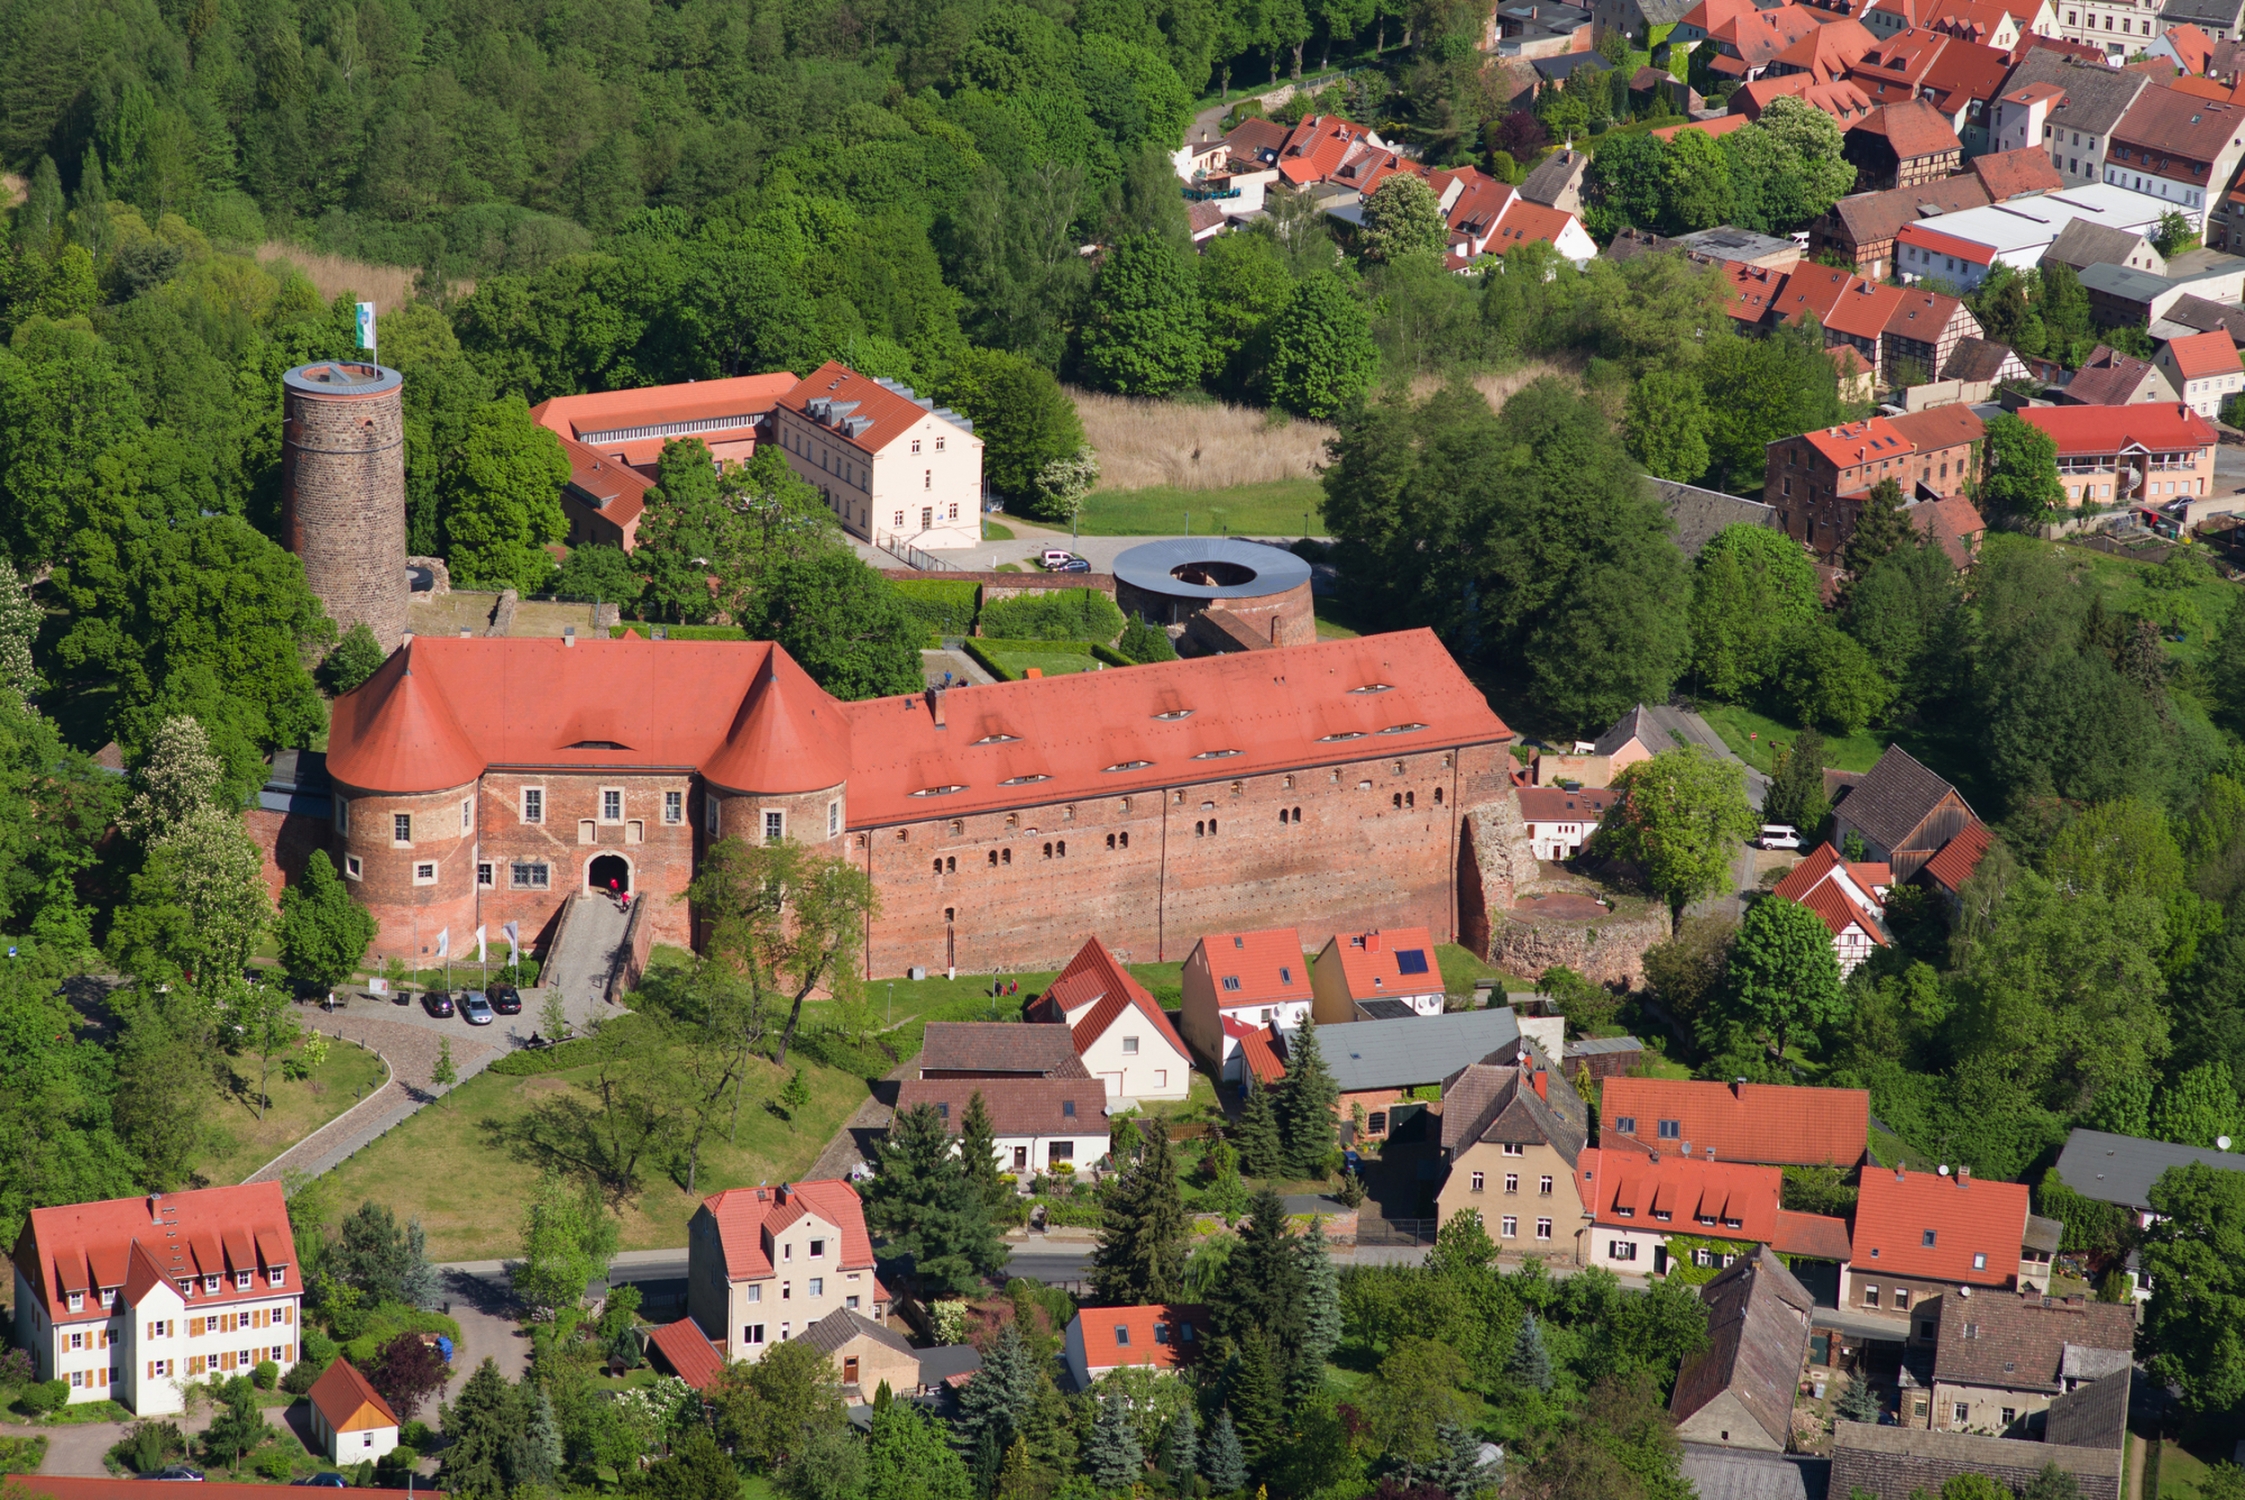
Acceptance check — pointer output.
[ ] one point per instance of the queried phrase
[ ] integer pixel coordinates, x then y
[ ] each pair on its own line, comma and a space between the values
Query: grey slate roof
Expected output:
2082, 243
1592, 1046
2121, 1168
945, 1360
1422, 1050
2206, 315
1568, 64
1895, 797
1742, 1474
1758, 1316
2124, 282
1559, 172
1633, 725
1700, 513
2095, 1416
2096, 96
2222, 13
2043, 1234
838, 1328
1384, 1010
1860, 1441
1665, 12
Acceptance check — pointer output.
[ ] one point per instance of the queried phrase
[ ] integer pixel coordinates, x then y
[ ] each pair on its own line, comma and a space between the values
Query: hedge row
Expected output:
944, 608
1060, 615
680, 632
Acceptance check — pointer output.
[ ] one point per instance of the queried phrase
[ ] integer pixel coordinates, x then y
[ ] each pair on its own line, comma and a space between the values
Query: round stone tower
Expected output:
343, 491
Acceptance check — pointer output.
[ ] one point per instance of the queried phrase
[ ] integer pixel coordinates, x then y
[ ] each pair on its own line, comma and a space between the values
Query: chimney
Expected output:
1738, 1088
155, 1208
1964, 1175
935, 706
1543, 1085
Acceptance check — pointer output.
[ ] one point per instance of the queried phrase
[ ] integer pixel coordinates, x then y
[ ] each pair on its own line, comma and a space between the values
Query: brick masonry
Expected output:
343, 494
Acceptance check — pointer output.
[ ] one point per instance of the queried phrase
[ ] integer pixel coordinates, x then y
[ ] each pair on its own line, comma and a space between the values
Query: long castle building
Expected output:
483, 781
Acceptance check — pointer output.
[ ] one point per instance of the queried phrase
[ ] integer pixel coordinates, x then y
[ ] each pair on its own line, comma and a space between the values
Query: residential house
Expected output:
613, 440
1922, 1234
1819, 481
1738, 1391
1162, 1337
1560, 821
1595, 763
1557, 180
1850, 899
1639, 1204
1993, 23
1893, 1463
1958, 78
685, 1351
1237, 983
1698, 514
2015, 173
1318, 144
892, 466
1525, 223
1534, 29
2121, 28
764, 1263
997, 1049
1037, 1124
2178, 148
349, 1417
2129, 455
1860, 228
1843, 101
1761, 1123
1705, 18
1976, 366
2217, 19
1902, 144
1553, 71
1116, 1028
1379, 1065
2195, 314
1487, 217
2204, 369
2082, 244
1512, 1134
2000, 1360
1904, 333
1858, 377
1743, 46
134, 1299
1823, 55
1903, 812
2121, 1169
1371, 976
1961, 248
1955, 525
2075, 127
1256, 142
1922, 331
866, 1355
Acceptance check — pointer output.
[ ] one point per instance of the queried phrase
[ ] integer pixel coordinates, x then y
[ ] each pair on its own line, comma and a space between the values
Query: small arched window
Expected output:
993, 859
1005, 856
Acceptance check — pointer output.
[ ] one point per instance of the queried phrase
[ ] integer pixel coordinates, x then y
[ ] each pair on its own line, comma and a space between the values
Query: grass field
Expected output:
2131, 587
1057, 662
1196, 445
1752, 736
993, 532
1272, 508
246, 1143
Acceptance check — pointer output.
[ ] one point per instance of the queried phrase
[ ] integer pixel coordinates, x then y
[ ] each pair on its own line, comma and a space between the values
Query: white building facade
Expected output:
894, 467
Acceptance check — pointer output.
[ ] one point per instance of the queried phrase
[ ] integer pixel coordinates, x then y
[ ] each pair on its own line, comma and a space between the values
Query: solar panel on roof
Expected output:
1411, 960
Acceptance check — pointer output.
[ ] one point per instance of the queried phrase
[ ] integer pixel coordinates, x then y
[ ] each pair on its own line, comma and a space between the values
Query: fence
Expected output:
911, 556
1371, 1230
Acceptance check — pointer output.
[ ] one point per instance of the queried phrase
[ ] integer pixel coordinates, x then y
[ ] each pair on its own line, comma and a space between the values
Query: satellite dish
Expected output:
1943, 1169
2221, 1142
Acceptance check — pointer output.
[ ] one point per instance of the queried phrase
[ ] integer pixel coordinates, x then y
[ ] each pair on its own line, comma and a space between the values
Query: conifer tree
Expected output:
998, 1399
1252, 1396
1856, 1402
1305, 1108
1262, 1289
978, 1149
1017, 1476
1882, 528
1112, 1455
1181, 1449
1457, 1469
1530, 1364
535, 1456
1223, 1461
1141, 1254
1256, 1136
927, 1206
1321, 1312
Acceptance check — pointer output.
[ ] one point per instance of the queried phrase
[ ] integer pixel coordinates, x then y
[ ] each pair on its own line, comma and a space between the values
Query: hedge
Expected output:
944, 608
680, 632
979, 649
1057, 615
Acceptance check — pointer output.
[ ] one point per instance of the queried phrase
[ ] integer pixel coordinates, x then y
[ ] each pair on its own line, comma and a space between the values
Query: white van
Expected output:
1779, 836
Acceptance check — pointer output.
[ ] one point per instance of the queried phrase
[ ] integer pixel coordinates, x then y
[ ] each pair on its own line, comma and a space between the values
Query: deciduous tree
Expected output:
502, 502
1784, 977
1401, 217
323, 932
1682, 817
841, 622
1321, 356
1144, 335
2019, 472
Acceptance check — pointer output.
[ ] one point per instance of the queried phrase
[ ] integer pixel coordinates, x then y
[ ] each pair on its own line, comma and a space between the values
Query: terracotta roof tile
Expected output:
743, 1213
1630, 1188
2013, 174
1372, 962
2109, 429
1743, 1122
342, 1395
2198, 356
1959, 857
1965, 1219
1817, 1236
1154, 1335
1256, 968
717, 411
1260, 1053
397, 732
1026, 1048
609, 485
1093, 978
1017, 1106
688, 1351
1874, 218
1936, 426
1914, 129
81, 1246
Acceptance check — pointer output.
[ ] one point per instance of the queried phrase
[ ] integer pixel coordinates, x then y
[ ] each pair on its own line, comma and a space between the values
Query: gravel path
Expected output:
411, 1051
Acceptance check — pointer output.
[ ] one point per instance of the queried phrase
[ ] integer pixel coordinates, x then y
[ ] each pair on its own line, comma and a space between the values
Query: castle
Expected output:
483, 781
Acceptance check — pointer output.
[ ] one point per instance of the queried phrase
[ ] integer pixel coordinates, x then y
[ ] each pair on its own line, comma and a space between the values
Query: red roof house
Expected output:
1318, 146
1956, 1230
1741, 1122
1255, 978
1850, 898
688, 1352
1118, 1029
1637, 1201
1157, 1336
349, 1415
763, 1263
1356, 969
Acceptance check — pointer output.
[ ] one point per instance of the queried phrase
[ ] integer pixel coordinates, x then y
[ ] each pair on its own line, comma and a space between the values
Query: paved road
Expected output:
411, 1051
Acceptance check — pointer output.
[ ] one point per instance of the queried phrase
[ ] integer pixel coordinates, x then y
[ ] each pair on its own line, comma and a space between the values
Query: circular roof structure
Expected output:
1211, 568
342, 377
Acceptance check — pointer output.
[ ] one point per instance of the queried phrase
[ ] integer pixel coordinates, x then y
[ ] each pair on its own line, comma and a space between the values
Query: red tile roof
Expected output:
1959, 857
1953, 521
1268, 966
1628, 1187
1841, 300
745, 1214
1716, 128
1964, 72
690, 1354
743, 712
1817, 1236
1317, 147
1551, 804
2012, 174
2102, 430
610, 485
1094, 978
1824, 54
1842, 912
889, 413
342, 1394
2198, 356
1260, 1053
716, 411
1857, 443
1526, 223
1017, 1106
1914, 129
1118, 1336
1762, 35
1968, 251
130, 1243
1936, 426
1373, 970
1750, 1122
1898, 1212
2193, 46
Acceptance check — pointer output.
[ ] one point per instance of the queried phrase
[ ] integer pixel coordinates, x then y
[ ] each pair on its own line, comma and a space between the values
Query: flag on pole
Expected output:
366, 326
514, 947
479, 945
444, 943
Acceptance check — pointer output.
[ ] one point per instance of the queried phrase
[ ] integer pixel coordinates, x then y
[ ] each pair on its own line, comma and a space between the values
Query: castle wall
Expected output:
343, 492
421, 886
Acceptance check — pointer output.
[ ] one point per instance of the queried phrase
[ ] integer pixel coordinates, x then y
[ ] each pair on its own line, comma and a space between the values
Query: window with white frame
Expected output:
425, 872
352, 867
833, 818
775, 825
611, 804
674, 807
1508, 1227
401, 828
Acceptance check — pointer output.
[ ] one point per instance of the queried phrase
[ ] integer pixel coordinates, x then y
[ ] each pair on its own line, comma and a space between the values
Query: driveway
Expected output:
482, 1303
78, 1449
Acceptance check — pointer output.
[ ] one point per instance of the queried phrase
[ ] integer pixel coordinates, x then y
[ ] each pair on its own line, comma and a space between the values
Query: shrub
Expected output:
415, 1435
1054, 615
44, 1396
301, 1376
266, 1375
274, 1464
317, 1349
1143, 642
22, 1455
944, 608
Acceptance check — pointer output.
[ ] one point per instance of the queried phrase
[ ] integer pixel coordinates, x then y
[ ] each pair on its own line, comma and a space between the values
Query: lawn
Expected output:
2182, 1473
1059, 661
1275, 508
468, 1167
1335, 621
2128, 589
1752, 736
994, 532
298, 1108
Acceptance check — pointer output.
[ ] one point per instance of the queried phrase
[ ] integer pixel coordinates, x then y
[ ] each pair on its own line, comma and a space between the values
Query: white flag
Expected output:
479, 945
366, 326
444, 943
514, 948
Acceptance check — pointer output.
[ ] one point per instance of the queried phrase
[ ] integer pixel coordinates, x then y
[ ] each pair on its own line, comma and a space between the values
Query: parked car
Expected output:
1779, 836
1053, 557
177, 1471
437, 1003
474, 1009
1074, 565
323, 1482
505, 999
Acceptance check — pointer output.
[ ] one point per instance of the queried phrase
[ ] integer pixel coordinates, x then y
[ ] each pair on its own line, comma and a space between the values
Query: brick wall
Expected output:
657, 857
383, 878
343, 504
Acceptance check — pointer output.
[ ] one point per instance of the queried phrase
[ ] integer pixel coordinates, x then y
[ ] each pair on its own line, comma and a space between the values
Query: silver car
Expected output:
475, 1009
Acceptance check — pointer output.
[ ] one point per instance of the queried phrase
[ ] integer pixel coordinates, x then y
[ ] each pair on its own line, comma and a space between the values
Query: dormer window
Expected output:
276, 1276
210, 1284
108, 1296
243, 1280
77, 1301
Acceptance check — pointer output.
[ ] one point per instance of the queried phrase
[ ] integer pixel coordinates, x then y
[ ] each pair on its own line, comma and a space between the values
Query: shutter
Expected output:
152, 1369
